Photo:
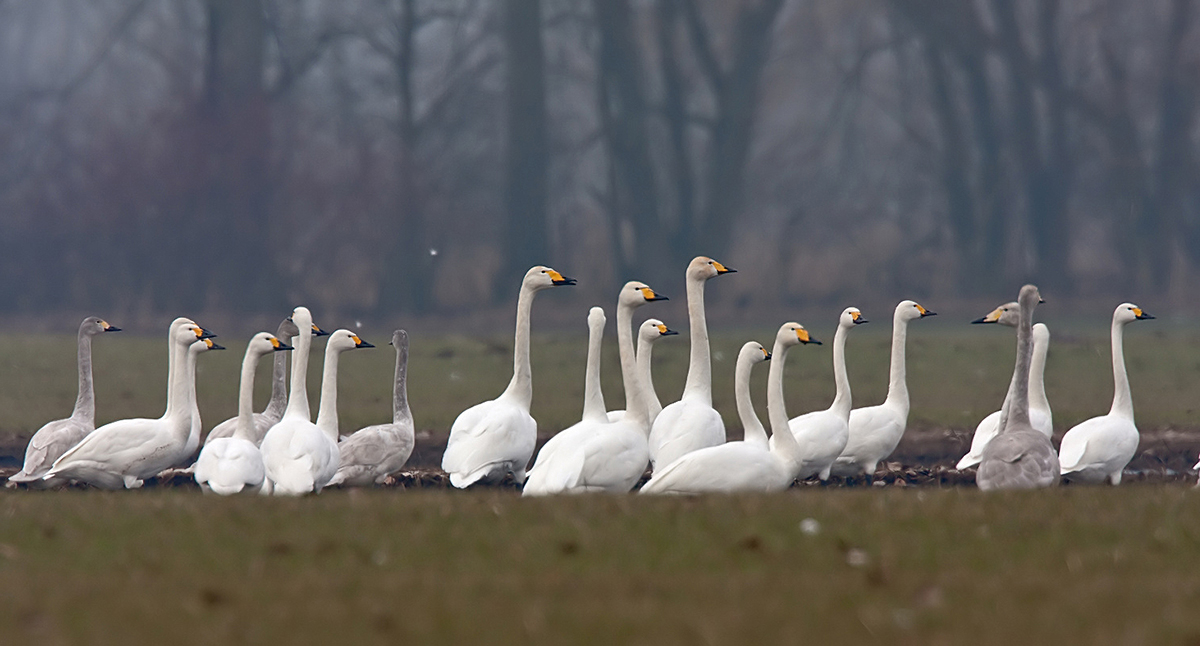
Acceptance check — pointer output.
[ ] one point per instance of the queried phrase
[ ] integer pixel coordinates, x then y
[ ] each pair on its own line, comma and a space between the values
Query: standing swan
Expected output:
53, 438
123, 453
297, 405
301, 457
691, 423
596, 455
229, 465
823, 434
876, 430
373, 453
274, 411
1040, 415
650, 332
1099, 448
496, 437
1019, 457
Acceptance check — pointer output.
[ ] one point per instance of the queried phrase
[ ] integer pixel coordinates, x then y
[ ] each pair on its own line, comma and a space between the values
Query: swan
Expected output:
496, 437
876, 430
229, 465
125, 452
53, 438
1040, 415
1020, 456
649, 332
823, 434
1099, 448
595, 454
274, 411
748, 465
373, 453
691, 423
302, 457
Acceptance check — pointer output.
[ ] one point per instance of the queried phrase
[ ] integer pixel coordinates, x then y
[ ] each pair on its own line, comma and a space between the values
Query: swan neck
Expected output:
752, 428
699, 376
841, 401
897, 396
297, 404
785, 443
1016, 403
1037, 376
85, 401
635, 400
183, 397
327, 414
1122, 397
645, 352
245, 417
400, 410
278, 400
593, 395
520, 389
177, 397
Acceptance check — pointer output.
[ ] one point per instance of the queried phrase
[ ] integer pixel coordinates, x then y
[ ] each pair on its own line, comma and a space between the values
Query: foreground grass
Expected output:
1073, 565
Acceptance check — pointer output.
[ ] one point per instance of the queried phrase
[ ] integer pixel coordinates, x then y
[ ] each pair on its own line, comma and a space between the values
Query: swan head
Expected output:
93, 325
703, 268
188, 333
399, 339
596, 318
652, 330
203, 345
911, 310
1030, 297
753, 352
342, 340
287, 330
792, 333
265, 343
1127, 312
1041, 334
541, 277
636, 293
302, 319
851, 317
1008, 314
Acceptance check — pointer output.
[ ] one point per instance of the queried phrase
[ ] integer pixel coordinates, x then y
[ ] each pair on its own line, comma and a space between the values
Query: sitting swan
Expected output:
229, 465
650, 332
497, 437
876, 430
691, 423
1099, 448
302, 457
823, 434
53, 438
125, 452
1020, 456
1040, 415
595, 454
747, 465
373, 453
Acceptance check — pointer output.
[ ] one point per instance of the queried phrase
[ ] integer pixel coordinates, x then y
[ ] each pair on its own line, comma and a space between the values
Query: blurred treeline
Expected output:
372, 157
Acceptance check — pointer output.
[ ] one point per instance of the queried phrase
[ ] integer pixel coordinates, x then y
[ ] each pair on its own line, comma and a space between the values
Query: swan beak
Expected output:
924, 312
109, 328
992, 317
804, 337
766, 355
1141, 314
666, 331
202, 334
213, 346
558, 279
359, 343
722, 269
858, 318
652, 295
318, 331
280, 345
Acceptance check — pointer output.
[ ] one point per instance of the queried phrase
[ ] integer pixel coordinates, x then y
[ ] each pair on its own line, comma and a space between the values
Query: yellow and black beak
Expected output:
722, 269
317, 331
652, 295
766, 355
992, 317
278, 345
858, 318
359, 343
109, 328
558, 279
213, 346
666, 331
202, 334
805, 337
924, 312
1141, 314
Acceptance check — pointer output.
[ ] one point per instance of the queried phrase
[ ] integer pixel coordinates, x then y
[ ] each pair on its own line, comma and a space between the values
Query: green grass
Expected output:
1072, 565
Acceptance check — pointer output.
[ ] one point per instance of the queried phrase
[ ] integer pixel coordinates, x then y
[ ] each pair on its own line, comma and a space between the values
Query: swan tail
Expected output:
967, 461
560, 476
1071, 457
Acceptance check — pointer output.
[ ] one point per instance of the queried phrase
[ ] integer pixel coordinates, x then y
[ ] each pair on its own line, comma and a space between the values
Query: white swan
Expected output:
229, 465
876, 430
274, 411
747, 465
649, 332
54, 438
373, 453
125, 452
301, 457
691, 423
496, 437
1040, 415
1020, 456
823, 434
1099, 448
598, 455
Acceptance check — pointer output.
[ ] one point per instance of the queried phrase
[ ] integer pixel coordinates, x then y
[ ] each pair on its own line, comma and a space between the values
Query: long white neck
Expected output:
297, 405
644, 352
245, 428
400, 411
184, 388
1122, 399
786, 446
327, 415
278, 401
635, 396
520, 389
1037, 374
699, 377
593, 395
177, 397
841, 401
85, 401
1016, 403
897, 396
752, 428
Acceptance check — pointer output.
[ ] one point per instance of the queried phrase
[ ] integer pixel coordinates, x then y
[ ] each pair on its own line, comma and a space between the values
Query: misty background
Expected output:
402, 159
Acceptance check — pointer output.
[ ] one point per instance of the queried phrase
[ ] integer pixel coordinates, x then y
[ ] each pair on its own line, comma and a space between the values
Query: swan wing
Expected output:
874, 433
822, 436
732, 467
502, 438
1107, 442
47, 444
228, 466
1022, 459
556, 476
683, 427
984, 432
372, 453
616, 458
